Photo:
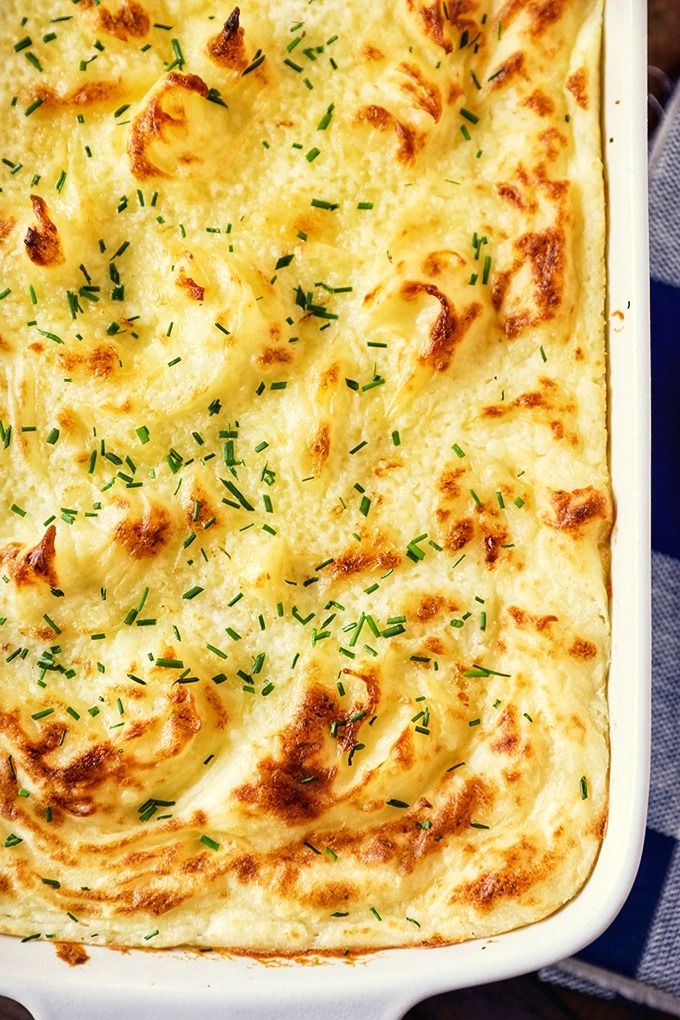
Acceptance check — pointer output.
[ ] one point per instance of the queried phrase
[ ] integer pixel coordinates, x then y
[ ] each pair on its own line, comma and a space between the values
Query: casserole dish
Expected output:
386, 983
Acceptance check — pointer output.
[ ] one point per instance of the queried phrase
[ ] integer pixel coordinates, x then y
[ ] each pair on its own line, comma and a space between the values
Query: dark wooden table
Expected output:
526, 998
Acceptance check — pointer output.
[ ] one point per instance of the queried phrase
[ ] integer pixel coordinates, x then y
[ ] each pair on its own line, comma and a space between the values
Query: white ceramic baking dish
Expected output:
116, 986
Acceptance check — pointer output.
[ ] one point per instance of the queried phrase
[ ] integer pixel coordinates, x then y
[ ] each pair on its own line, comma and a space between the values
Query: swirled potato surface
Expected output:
304, 498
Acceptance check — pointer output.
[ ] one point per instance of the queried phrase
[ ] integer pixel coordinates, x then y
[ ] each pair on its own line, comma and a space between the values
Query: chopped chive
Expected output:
238, 495
179, 56
583, 783
212, 843
457, 450
326, 119
255, 63
483, 671
36, 104
320, 203
43, 713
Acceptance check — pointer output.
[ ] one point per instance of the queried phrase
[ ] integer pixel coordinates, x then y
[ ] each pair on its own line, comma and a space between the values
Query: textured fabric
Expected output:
639, 955
664, 211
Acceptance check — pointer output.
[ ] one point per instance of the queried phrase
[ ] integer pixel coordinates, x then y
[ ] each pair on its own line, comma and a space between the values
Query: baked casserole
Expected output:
304, 483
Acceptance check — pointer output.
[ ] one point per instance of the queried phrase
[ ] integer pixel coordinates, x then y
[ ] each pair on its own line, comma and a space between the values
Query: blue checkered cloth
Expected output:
639, 955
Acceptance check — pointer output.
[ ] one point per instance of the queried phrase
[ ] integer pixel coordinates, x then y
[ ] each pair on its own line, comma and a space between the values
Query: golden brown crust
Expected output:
381, 119
433, 24
130, 21
297, 786
145, 536
151, 125
43, 246
100, 362
573, 510
227, 48
193, 289
71, 953
460, 534
425, 93
6, 228
447, 330
36, 564
541, 103
358, 560
577, 83
512, 67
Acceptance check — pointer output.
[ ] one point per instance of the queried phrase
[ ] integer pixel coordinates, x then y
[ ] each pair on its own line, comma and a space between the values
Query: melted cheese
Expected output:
303, 481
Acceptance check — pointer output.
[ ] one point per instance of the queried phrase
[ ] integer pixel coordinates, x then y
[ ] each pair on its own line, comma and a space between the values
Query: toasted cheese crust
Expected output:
304, 485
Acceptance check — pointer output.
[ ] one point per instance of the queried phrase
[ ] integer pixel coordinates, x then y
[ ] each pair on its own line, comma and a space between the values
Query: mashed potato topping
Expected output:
303, 470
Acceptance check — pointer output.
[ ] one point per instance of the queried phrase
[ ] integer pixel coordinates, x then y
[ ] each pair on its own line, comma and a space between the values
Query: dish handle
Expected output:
78, 1003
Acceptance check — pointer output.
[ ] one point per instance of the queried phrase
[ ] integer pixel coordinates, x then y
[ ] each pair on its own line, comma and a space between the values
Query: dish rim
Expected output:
386, 983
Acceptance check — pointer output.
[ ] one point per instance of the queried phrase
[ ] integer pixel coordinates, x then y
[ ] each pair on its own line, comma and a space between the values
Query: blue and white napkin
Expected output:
638, 957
